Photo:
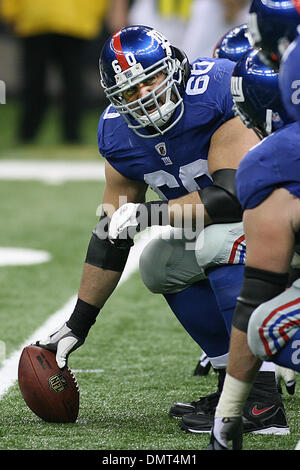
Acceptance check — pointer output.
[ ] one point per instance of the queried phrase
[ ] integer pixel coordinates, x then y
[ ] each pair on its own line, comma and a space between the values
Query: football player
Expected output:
273, 330
268, 185
170, 126
234, 44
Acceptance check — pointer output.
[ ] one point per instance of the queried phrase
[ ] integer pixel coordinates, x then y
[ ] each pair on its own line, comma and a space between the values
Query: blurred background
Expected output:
49, 54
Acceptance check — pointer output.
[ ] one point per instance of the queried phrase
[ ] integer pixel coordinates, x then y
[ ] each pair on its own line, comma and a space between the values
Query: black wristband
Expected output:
82, 319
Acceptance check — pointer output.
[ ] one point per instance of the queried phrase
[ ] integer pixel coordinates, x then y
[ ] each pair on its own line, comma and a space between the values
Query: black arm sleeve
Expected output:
102, 253
220, 199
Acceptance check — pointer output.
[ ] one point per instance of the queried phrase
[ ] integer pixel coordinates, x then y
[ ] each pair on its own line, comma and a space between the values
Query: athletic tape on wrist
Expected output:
232, 400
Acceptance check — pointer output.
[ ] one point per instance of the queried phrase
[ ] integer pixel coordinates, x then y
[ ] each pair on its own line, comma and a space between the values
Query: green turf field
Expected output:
144, 358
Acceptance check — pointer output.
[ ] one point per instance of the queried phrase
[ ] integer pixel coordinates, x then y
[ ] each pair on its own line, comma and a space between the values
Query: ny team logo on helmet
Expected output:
297, 4
272, 26
234, 44
255, 92
133, 55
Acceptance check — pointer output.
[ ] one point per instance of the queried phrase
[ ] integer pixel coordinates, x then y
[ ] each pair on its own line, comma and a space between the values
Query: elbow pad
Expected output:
220, 199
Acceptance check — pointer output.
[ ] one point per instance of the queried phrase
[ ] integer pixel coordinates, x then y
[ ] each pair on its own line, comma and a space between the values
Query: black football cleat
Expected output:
197, 423
258, 418
265, 418
205, 405
203, 366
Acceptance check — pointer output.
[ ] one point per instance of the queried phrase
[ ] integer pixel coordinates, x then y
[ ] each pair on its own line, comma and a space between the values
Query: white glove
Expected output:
225, 430
63, 342
122, 221
288, 376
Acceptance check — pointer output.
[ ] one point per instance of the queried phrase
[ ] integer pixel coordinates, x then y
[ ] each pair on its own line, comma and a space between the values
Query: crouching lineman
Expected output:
170, 126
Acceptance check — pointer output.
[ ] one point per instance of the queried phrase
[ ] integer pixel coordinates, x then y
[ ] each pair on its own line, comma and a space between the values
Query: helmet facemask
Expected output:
156, 108
260, 131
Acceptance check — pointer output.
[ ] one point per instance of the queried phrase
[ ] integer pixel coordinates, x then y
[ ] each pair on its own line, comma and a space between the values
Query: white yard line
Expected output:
51, 172
9, 369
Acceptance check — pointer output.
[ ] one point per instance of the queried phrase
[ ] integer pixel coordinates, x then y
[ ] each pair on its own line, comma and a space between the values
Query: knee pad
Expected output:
221, 244
152, 265
273, 323
166, 267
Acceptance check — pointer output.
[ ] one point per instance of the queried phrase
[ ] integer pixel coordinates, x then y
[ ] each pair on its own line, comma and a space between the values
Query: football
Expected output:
50, 392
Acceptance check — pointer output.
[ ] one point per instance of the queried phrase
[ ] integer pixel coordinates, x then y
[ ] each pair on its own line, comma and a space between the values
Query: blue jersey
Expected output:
176, 163
274, 162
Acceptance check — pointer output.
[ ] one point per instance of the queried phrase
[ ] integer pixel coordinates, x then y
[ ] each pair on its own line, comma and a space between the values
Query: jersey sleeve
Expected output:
216, 73
222, 78
107, 126
251, 180
115, 143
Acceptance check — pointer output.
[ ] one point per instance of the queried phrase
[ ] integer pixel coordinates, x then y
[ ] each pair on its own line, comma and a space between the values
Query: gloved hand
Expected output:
225, 430
63, 342
288, 376
124, 225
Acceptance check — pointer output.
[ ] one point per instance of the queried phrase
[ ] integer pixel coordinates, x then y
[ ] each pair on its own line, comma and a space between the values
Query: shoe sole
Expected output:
272, 430
195, 431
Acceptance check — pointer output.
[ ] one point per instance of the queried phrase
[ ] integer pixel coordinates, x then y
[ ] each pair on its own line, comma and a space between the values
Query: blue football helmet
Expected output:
272, 26
289, 79
234, 44
133, 55
256, 95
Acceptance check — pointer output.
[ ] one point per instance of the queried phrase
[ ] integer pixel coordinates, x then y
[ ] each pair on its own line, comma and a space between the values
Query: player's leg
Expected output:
167, 268
222, 255
35, 59
274, 329
176, 267
269, 231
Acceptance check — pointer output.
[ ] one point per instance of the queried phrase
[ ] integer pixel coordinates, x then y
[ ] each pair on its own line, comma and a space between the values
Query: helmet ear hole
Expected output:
181, 56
